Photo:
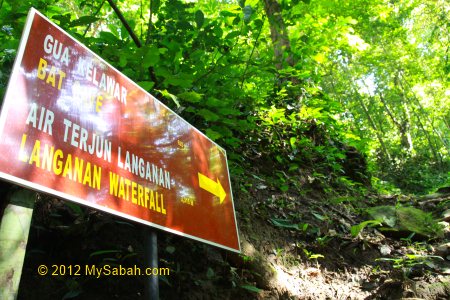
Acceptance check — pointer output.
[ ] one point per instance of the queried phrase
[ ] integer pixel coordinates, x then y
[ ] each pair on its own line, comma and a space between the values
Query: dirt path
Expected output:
294, 246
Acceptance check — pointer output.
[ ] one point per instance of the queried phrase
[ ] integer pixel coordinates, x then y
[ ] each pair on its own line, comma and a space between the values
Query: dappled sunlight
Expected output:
332, 113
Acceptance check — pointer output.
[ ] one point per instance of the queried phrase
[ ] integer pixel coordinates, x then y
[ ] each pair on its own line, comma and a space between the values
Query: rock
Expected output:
213, 255
369, 285
446, 215
257, 263
385, 214
385, 250
405, 220
433, 290
445, 228
442, 250
444, 190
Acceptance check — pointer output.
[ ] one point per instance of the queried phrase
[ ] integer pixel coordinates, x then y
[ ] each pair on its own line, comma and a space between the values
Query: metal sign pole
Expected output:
151, 261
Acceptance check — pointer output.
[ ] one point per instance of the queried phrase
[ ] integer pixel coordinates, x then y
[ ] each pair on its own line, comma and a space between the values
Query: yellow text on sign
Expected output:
214, 187
52, 76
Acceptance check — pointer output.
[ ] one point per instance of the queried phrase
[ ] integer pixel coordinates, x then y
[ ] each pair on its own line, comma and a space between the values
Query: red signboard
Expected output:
73, 126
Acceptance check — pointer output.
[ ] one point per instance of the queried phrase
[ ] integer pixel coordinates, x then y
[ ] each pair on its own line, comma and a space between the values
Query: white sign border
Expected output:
38, 187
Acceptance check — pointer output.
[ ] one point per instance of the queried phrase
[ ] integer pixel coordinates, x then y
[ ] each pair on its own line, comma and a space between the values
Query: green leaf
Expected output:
350, 20
223, 130
72, 294
208, 115
155, 6
101, 252
53, 9
125, 257
233, 142
258, 23
214, 102
63, 19
163, 50
85, 20
284, 223
209, 273
293, 167
199, 18
304, 226
164, 279
166, 94
151, 57
125, 223
108, 37
232, 35
319, 217
185, 83
292, 141
226, 13
146, 85
123, 61
74, 207
192, 97
170, 249
214, 135
228, 111
356, 229
251, 288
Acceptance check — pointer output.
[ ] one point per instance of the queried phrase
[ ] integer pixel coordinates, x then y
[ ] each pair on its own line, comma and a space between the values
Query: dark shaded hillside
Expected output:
295, 245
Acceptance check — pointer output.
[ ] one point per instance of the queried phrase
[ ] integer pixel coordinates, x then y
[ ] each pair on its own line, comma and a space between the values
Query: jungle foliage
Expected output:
314, 84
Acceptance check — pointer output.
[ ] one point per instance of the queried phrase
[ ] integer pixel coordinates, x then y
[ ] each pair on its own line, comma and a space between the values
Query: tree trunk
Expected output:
435, 153
403, 126
372, 123
423, 112
278, 34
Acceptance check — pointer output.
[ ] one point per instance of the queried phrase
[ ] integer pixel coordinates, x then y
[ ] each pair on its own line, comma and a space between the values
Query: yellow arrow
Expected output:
212, 186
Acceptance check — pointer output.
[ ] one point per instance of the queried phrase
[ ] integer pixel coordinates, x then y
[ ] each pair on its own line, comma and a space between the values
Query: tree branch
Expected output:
133, 36
96, 13
147, 39
251, 54
391, 115
372, 123
125, 23
210, 70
